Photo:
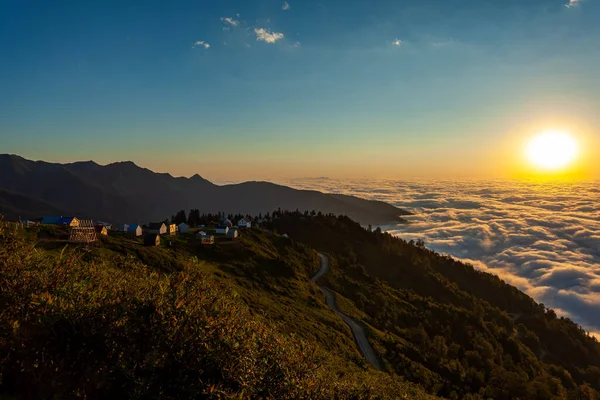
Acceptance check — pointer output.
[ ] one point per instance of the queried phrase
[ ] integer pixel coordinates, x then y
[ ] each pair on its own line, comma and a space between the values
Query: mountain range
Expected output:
123, 192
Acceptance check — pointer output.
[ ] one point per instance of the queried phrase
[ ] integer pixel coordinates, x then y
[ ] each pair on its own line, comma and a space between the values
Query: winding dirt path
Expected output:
360, 336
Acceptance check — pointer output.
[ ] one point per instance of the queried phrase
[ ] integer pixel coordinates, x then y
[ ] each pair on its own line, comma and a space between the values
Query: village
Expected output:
206, 228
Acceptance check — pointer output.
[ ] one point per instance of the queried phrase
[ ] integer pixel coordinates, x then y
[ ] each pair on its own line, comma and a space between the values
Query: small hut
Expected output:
183, 227
206, 239
152, 239
232, 234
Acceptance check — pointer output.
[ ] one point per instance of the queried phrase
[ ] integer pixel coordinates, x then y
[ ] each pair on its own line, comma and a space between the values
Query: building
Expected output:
134, 230
69, 221
53, 220
29, 223
206, 239
222, 230
101, 230
107, 225
152, 239
123, 228
157, 227
232, 234
171, 229
244, 223
183, 227
226, 222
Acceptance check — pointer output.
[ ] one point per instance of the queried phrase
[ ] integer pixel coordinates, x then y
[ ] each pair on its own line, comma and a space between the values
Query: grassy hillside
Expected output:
456, 331
236, 320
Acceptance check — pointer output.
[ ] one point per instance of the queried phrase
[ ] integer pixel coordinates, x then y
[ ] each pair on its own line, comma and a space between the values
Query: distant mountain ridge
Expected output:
125, 192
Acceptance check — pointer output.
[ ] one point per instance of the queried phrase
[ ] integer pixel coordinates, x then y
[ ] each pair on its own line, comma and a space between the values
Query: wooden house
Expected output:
152, 239
206, 239
233, 234
171, 229
134, 230
157, 227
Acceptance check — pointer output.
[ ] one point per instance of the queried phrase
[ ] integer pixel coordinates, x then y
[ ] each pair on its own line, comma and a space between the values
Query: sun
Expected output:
552, 151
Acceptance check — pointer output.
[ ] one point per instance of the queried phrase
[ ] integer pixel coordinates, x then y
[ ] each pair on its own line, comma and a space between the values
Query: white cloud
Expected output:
267, 36
397, 42
572, 3
285, 6
230, 21
201, 43
545, 240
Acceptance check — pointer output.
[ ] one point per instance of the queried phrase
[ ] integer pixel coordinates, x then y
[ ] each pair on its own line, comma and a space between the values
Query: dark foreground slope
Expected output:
125, 193
124, 321
457, 331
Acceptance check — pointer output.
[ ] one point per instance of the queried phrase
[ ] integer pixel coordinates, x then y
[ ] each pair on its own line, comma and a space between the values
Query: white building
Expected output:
243, 223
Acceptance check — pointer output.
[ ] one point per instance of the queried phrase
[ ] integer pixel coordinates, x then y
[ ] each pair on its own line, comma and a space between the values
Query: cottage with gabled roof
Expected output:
134, 230
171, 229
244, 223
204, 238
157, 227
183, 227
152, 239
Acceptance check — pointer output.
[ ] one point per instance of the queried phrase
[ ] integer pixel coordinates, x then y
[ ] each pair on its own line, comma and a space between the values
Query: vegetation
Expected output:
241, 319
458, 332
105, 322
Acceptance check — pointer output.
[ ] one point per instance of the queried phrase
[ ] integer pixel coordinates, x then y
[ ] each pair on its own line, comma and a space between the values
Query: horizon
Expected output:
259, 90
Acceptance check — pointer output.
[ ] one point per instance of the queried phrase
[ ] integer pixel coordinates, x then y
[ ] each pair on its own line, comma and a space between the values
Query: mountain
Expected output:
125, 192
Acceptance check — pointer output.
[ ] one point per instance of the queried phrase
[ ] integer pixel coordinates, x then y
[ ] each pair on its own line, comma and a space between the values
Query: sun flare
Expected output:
552, 150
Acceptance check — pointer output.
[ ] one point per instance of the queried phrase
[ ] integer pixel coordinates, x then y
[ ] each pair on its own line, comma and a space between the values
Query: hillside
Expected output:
243, 318
125, 193
127, 321
441, 323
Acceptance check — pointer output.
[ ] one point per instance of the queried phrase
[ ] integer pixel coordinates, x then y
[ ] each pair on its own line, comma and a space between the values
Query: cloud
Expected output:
267, 36
572, 3
285, 6
230, 21
543, 238
201, 43
397, 42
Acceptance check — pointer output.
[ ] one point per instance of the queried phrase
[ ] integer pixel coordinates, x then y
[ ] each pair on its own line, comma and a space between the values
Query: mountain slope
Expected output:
459, 332
124, 192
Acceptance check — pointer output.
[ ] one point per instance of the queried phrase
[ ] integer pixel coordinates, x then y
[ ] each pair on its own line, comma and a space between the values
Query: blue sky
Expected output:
339, 88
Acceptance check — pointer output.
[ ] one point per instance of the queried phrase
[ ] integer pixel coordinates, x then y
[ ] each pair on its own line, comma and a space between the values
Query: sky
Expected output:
237, 90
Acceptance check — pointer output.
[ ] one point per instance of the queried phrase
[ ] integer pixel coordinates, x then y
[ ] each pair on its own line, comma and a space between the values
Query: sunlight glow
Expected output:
552, 150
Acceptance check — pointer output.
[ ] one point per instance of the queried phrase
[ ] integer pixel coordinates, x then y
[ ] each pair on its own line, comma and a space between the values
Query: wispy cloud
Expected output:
397, 42
285, 6
267, 36
201, 43
572, 3
230, 21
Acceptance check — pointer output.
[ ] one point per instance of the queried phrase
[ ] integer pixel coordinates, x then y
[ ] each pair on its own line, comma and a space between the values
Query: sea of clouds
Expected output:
543, 238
